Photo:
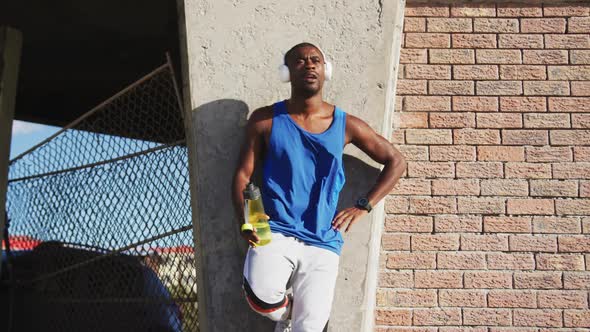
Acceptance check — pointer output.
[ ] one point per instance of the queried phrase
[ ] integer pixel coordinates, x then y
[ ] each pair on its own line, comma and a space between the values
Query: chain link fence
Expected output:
101, 213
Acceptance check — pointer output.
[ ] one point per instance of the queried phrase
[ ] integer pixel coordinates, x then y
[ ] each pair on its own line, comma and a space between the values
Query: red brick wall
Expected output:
490, 228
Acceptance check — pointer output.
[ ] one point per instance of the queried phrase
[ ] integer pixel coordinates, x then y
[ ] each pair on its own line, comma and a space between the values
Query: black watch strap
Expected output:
363, 203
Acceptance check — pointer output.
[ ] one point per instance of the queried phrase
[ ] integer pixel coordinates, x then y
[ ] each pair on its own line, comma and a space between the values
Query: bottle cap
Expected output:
252, 192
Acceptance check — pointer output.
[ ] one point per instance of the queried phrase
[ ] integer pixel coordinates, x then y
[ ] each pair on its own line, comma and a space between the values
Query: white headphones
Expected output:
285, 75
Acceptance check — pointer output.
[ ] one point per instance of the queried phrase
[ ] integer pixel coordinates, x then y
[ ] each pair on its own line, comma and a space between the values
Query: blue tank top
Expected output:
303, 176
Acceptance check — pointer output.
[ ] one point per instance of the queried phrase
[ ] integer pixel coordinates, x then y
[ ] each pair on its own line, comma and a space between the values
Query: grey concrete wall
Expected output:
232, 50
10, 48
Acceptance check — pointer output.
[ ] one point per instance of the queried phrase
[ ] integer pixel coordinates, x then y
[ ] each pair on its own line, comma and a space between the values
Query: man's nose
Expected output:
309, 63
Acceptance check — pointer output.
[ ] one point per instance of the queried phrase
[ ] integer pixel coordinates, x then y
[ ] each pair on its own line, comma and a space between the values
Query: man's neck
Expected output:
306, 105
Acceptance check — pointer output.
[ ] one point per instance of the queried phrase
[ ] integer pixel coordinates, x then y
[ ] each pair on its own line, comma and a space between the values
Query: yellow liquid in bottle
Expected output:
258, 219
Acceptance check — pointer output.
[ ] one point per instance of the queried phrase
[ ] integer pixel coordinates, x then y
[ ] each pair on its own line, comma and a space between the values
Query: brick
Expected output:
479, 170
457, 223
537, 317
448, 87
481, 205
537, 280
546, 88
547, 154
498, 56
546, 243
413, 298
581, 120
496, 25
453, 56
576, 318
414, 152
475, 104
540, 120
439, 279
523, 104
475, 72
476, 136
525, 137
452, 153
520, 41
395, 242
519, 10
461, 261
438, 10
516, 170
476, 40
435, 242
411, 55
522, 72
397, 204
572, 73
512, 299
530, 206
580, 88
480, 316
584, 188
455, 187
573, 206
500, 153
579, 25
580, 57
574, 243
398, 103
393, 317
545, 57
554, 188
570, 137
510, 224
449, 25
489, 242
414, 24
411, 87
396, 279
411, 260
494, 120
437, 316
463, 329
571, 170
576, 280
428, 136
462, 298
452, 120
413, 120
567, 41
581, 153
563, 262
419, 169
566, 10
569, 104
427, 72
427, 103
412, 187
409, 223
499, 88
426, 205
512, 261
504, 187
427, 40
488, 279
542, 25
473, 10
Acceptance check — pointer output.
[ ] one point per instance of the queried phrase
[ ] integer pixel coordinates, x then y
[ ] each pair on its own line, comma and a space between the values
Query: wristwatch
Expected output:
363, 203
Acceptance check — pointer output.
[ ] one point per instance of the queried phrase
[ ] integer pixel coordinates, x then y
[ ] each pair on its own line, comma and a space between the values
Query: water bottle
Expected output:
254, 214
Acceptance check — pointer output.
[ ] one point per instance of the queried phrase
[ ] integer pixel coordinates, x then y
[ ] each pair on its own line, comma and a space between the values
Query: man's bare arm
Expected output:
382, 151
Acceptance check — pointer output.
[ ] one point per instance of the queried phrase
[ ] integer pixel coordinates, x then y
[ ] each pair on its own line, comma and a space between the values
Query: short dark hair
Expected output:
304, 44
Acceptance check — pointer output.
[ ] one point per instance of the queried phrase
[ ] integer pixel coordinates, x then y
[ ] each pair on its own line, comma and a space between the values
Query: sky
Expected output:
25, 135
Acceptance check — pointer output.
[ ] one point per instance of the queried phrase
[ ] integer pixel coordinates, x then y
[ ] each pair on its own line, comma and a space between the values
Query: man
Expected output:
300, 142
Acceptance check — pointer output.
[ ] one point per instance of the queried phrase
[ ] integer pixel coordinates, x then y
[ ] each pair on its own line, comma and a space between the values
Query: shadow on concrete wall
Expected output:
219, 129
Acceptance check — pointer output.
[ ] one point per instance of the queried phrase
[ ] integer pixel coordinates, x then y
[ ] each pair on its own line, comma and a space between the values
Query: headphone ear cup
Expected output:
328, 71
284, 74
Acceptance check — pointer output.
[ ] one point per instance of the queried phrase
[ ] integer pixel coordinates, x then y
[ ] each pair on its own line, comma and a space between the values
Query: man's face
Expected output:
306, 66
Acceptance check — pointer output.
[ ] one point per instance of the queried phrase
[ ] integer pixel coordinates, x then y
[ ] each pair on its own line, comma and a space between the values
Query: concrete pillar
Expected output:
232, 51
10, 48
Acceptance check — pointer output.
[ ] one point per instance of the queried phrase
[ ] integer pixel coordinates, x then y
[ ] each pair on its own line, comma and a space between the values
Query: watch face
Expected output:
362, 202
